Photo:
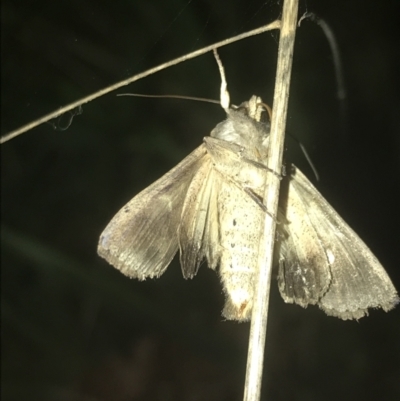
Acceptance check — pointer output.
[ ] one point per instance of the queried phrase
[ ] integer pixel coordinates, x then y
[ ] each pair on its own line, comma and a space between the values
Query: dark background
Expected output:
74, 328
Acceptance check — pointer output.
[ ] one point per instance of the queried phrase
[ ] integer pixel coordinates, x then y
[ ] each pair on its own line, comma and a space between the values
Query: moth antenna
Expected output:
183, 97
306, 155
225, 98
310, 162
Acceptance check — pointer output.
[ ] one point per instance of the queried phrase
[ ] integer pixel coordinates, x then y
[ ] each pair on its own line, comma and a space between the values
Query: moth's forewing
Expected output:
199, 229
304, 271
357, 280
142, 239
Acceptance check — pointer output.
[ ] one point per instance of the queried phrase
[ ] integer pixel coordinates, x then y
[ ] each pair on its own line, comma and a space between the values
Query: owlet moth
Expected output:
210, 207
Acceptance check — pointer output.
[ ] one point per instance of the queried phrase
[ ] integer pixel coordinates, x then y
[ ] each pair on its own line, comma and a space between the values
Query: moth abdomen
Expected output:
238, 287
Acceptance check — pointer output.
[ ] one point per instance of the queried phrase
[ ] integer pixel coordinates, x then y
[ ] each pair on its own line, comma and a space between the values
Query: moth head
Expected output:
256, 109
246, 125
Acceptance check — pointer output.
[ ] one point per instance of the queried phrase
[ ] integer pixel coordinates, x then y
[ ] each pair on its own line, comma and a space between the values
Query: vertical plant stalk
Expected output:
255, 356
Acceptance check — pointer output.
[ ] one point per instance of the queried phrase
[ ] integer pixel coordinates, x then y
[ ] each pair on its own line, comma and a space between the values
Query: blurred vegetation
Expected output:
73, 328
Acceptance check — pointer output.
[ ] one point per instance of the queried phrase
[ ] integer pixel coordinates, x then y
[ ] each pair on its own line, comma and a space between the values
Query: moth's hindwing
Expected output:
142, 239
356, 279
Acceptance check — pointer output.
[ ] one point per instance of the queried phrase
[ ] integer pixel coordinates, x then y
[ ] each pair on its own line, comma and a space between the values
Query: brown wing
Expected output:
348, 277
142, 238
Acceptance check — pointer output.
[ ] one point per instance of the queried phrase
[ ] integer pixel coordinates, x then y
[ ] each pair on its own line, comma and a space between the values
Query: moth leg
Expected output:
260, 165
256, 198
264, 167
259, 202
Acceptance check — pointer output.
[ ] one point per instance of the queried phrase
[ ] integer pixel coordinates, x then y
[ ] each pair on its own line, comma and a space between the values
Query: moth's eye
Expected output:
243, 108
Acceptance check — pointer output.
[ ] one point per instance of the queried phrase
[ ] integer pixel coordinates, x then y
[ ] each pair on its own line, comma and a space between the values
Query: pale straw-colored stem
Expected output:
255, 357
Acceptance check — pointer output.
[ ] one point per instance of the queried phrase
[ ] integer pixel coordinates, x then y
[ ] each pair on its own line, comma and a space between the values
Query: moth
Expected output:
210, 208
